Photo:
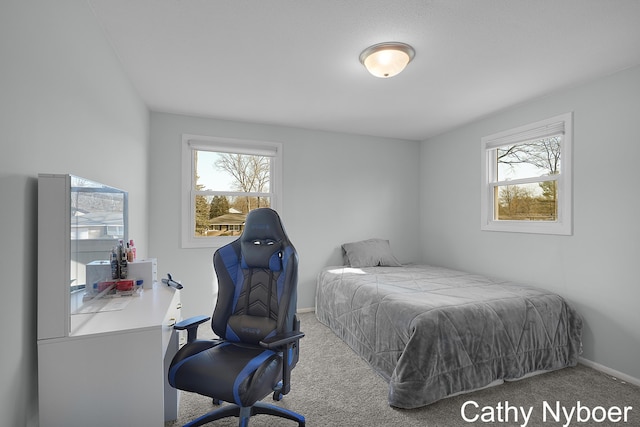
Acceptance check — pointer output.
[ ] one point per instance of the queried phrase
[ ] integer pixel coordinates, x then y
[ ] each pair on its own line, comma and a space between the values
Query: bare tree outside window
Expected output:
251, 175
229, 186
537, 201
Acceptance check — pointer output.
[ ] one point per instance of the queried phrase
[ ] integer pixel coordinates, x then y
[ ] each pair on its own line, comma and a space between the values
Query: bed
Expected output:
433, 332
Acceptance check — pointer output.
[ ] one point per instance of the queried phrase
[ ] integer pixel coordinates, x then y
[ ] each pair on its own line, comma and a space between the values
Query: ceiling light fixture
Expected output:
387, 59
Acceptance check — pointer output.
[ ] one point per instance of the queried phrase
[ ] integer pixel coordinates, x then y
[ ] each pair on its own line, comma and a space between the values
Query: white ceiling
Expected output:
295, 62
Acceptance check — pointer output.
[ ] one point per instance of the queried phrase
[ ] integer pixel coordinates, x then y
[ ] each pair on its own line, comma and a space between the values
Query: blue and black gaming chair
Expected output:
255, 320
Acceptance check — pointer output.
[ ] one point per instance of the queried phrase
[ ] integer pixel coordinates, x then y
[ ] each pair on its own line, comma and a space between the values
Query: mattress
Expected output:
433, 332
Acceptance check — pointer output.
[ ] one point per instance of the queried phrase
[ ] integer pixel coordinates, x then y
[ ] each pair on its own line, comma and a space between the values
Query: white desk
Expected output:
111, 370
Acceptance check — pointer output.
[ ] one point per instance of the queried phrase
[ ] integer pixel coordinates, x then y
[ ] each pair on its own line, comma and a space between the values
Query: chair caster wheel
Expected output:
216, 401
277, 396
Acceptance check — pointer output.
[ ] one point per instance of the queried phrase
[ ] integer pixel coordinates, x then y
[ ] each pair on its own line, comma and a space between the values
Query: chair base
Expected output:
245, 413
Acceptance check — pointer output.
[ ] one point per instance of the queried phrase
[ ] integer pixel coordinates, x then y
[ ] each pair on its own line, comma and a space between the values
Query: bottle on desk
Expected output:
132, 250
115, 264
122, 257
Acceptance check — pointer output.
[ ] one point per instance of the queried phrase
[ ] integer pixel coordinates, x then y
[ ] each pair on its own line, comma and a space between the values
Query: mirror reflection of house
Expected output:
229, 224
97, 225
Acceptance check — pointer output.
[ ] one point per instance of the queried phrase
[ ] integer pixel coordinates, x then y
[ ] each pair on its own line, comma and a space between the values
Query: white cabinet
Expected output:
97, 368
112, 371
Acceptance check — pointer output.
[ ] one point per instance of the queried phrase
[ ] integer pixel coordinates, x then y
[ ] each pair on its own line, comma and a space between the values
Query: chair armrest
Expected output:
281, 339
286, 343
190, 322
191, 325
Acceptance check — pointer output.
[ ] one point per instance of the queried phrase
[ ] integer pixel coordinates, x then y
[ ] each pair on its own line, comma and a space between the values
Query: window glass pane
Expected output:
529, 159
97, 211
527, 202
218, 171
224, 215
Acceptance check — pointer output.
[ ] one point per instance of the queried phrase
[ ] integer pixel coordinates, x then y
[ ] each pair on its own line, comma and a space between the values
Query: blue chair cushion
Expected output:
249, 373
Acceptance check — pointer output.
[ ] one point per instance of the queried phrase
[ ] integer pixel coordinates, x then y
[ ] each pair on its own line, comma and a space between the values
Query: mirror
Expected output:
99, 220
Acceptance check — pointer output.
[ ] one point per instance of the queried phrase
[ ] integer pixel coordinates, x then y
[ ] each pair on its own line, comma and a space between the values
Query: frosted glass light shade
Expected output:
386, 60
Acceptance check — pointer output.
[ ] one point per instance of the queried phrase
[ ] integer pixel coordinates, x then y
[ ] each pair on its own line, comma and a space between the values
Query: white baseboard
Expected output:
609, 371
306, 310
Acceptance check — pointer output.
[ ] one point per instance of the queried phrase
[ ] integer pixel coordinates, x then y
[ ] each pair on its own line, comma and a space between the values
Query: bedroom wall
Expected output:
337, 188
596, 267
66, 107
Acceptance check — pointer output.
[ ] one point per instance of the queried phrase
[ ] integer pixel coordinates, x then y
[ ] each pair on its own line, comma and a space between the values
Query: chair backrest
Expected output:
257, 281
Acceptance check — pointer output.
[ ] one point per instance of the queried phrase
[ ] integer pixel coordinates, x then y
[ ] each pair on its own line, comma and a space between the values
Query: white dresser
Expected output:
104, 364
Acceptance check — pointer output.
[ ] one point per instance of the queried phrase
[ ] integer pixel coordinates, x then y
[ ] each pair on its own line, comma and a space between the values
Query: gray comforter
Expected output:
432, 332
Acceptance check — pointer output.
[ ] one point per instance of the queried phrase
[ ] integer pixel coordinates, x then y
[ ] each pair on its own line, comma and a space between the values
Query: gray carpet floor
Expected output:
332, 386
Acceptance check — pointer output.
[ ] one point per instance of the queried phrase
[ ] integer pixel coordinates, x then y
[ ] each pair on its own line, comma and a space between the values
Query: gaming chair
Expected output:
255, 321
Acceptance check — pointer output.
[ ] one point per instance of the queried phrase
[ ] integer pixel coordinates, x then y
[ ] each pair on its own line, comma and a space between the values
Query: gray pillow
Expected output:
369, 253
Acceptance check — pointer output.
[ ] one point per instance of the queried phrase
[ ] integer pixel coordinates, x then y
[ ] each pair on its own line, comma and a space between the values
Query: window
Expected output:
222, 180
526, 178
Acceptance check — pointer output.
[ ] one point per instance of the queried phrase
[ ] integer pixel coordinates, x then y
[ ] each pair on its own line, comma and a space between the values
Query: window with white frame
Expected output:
222, 180
526, 178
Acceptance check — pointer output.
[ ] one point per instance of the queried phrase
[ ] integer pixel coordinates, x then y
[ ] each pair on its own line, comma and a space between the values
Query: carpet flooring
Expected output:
332, 386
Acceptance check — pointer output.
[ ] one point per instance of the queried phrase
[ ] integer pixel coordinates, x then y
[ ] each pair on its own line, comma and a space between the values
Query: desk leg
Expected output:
170, 394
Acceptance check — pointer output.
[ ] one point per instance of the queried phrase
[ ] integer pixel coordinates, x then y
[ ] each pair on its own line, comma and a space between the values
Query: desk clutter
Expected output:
114, 288
121, 256
118, 276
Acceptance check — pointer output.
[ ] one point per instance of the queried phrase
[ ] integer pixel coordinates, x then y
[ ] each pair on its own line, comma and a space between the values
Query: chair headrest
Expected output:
262, 239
